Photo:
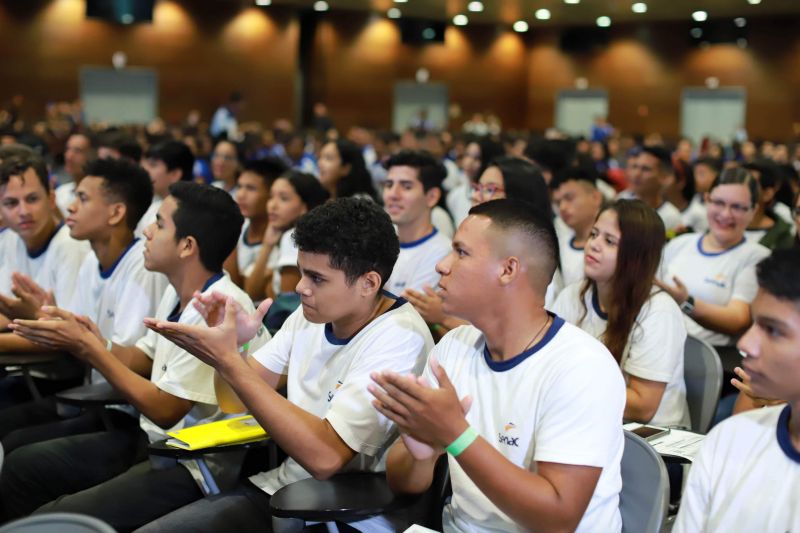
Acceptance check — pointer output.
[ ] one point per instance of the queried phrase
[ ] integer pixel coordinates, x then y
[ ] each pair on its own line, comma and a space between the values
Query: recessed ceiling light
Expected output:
475, 6
520, 26
604, 21
740, 22
572, 1
263, 2
321, 5
460, 20
393, 13
542, 14
700, 16
754, 2
400, 1
639, 7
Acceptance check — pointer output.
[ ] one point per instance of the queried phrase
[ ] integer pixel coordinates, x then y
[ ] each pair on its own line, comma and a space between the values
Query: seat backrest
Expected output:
57, 523
702, 372
644, 499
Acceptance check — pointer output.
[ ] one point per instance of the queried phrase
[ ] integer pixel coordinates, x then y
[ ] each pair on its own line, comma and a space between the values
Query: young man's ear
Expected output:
432, 196
117, 213
370, 283
188, 247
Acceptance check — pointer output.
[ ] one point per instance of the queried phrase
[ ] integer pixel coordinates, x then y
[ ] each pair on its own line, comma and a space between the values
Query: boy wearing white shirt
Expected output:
346, 328
746, 476
541, 445
196, 228
166, 163
412, 188
652, 170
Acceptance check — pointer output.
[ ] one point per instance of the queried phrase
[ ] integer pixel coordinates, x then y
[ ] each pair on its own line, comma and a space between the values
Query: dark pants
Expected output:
134, 498
41, 472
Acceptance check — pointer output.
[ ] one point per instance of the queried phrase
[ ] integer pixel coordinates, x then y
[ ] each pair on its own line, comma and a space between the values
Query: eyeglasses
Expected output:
487, 190
739, 209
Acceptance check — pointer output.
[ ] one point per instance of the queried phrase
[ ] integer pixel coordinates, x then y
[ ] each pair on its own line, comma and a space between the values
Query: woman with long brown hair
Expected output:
640, 325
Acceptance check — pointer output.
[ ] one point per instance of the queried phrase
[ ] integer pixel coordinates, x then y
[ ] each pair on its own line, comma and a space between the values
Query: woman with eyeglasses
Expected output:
712, 275
225, 166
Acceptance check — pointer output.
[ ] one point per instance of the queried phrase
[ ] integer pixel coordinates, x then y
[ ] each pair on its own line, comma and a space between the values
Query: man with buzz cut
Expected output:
346, 328
540, 446
746, 476
108, 474
412, 188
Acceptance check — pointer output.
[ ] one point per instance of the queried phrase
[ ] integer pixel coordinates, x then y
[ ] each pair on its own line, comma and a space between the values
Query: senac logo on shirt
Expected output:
506, 439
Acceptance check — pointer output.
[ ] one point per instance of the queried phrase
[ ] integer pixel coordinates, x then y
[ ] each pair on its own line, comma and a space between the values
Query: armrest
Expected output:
98, 394
29, 359
343, 497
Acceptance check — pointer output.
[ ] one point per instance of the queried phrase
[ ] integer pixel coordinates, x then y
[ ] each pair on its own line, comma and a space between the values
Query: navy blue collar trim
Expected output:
784, 439
105, 274
503, 366
37, 253
596, 305
412, 244
714, 254
244, 238
333, 339
572, 245
176, 313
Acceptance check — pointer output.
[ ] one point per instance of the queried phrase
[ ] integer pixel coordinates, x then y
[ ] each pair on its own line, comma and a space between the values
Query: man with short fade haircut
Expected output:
535, 442
42, 249
346, 328
113, 289
107, 474
650, 173
578, 201
746, 476
412, 188
78, 151
167, 163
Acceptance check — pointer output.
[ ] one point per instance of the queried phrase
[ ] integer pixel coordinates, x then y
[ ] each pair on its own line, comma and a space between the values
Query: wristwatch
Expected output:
688, 306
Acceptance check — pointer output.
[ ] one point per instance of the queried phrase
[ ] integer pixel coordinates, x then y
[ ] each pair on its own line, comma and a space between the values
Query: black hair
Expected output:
490, 150
174, 154
430, 172
121, 142
713, 163
210, 215
509, 214
523, 181
738, 176
551, 154
356, 234
581, 174
663, 156
770, 175
307, 187
15, 150
269, 168
17, 165
358, 181
777, 274
685, 171
125, 182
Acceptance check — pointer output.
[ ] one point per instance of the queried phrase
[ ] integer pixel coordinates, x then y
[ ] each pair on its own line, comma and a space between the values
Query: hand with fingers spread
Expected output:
428, 304
212, 307
430, 416
214, 345
58, 330
27, 300
679, 292
743, 384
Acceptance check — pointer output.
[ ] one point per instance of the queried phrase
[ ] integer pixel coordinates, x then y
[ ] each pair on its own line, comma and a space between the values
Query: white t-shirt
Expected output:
560, 401
149, 216
441, 220
716, 278
54, 267
459, 201
416, 264
694, 216
328, 378
285, 255
745, 478
670, 215
65, 195
571, 258
247, 252
655, 346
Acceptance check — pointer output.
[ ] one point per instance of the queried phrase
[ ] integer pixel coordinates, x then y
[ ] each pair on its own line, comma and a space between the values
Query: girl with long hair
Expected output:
342, 170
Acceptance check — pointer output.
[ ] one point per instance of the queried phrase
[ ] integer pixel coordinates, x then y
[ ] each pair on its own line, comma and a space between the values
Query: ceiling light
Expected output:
572, 1
393, 13
321, 5
639, 7
475, 6
263, 2
400, 1
604, 21
740, 22
700, 16
542, 14
520, 26
460, 20
753, 2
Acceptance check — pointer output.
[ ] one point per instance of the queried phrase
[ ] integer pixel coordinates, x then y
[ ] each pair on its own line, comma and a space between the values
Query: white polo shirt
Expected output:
571, 258
54, 267
695, 215
745, 478
416, 265
328, 377
247, 252
714, 277
285, 255
560, 401
655, 346
149, 216
670, 215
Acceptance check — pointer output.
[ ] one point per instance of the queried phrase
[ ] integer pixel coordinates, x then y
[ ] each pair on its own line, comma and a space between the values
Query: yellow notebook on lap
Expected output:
220, 433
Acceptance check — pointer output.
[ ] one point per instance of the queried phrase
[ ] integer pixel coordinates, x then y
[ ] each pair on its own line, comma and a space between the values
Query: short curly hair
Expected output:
356, 234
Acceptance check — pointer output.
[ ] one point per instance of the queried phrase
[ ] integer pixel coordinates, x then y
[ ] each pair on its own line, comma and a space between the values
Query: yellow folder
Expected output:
222, 432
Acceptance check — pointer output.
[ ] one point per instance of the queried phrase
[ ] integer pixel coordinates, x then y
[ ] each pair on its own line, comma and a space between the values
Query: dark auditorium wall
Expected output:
204, 48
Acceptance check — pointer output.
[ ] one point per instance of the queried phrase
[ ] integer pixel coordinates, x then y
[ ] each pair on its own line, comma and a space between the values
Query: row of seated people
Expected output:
350, 247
